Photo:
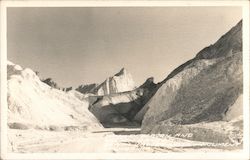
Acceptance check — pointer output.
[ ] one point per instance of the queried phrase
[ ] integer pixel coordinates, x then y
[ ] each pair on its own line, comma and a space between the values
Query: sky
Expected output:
84, 45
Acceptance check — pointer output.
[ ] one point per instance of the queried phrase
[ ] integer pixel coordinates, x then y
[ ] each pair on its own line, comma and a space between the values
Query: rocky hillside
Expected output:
117, 100
121, 107
204, 91
34, 104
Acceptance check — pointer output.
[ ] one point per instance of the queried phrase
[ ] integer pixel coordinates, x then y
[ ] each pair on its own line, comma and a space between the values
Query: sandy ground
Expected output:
108, 140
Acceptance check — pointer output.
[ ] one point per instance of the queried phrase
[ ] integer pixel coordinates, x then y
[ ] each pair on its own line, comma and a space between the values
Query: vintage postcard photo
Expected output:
116, 80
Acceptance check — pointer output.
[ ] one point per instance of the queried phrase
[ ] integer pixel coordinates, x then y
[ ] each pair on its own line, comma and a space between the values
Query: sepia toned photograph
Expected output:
124, 80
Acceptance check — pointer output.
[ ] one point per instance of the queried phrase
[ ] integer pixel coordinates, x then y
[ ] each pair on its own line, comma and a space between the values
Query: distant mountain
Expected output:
85, 89
202, 96
34, 104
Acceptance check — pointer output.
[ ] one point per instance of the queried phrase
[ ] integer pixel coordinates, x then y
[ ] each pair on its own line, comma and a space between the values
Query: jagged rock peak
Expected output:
148, 82
120, 82
121, 72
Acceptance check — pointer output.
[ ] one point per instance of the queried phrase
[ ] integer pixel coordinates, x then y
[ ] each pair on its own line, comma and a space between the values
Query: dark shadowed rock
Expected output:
89, 88
202, 90
121, 107
17, 125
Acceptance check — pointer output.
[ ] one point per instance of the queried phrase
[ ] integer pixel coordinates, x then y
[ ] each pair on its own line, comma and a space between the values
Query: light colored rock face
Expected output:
34, 104
202, 90
121, 107
120, 82
235, 110
230, 132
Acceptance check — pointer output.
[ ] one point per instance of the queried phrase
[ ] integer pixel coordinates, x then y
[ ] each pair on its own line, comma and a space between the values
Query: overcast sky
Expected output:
86, 45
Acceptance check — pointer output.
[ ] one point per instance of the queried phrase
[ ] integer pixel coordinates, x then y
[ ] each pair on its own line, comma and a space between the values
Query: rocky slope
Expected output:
85, 89
205, 90
121, 107
34, 104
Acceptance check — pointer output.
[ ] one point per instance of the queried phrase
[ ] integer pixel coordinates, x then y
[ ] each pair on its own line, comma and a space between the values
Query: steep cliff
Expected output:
120, 82
202, 90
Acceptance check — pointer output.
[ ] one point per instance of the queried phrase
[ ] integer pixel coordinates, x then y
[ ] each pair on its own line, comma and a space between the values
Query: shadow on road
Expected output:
127, 132
120, 131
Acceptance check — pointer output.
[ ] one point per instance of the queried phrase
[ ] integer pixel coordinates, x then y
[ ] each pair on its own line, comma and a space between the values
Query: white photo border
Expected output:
244, 154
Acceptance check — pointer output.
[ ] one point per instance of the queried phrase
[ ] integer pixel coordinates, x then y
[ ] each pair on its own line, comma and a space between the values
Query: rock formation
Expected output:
121, 107
34, 104
120, 82
85, 89
202, 92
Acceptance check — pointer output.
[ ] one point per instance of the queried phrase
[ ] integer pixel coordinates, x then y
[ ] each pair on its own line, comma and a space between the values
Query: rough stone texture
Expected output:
217, 132
34, 104
120, 82
121, 107
201, 90
85, 89
150, 89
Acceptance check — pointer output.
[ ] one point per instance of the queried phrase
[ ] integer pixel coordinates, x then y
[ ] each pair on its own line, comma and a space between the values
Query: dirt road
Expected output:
108, 140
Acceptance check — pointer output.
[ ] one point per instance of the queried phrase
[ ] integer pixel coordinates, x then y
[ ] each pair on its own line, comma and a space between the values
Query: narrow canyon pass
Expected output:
197, 107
